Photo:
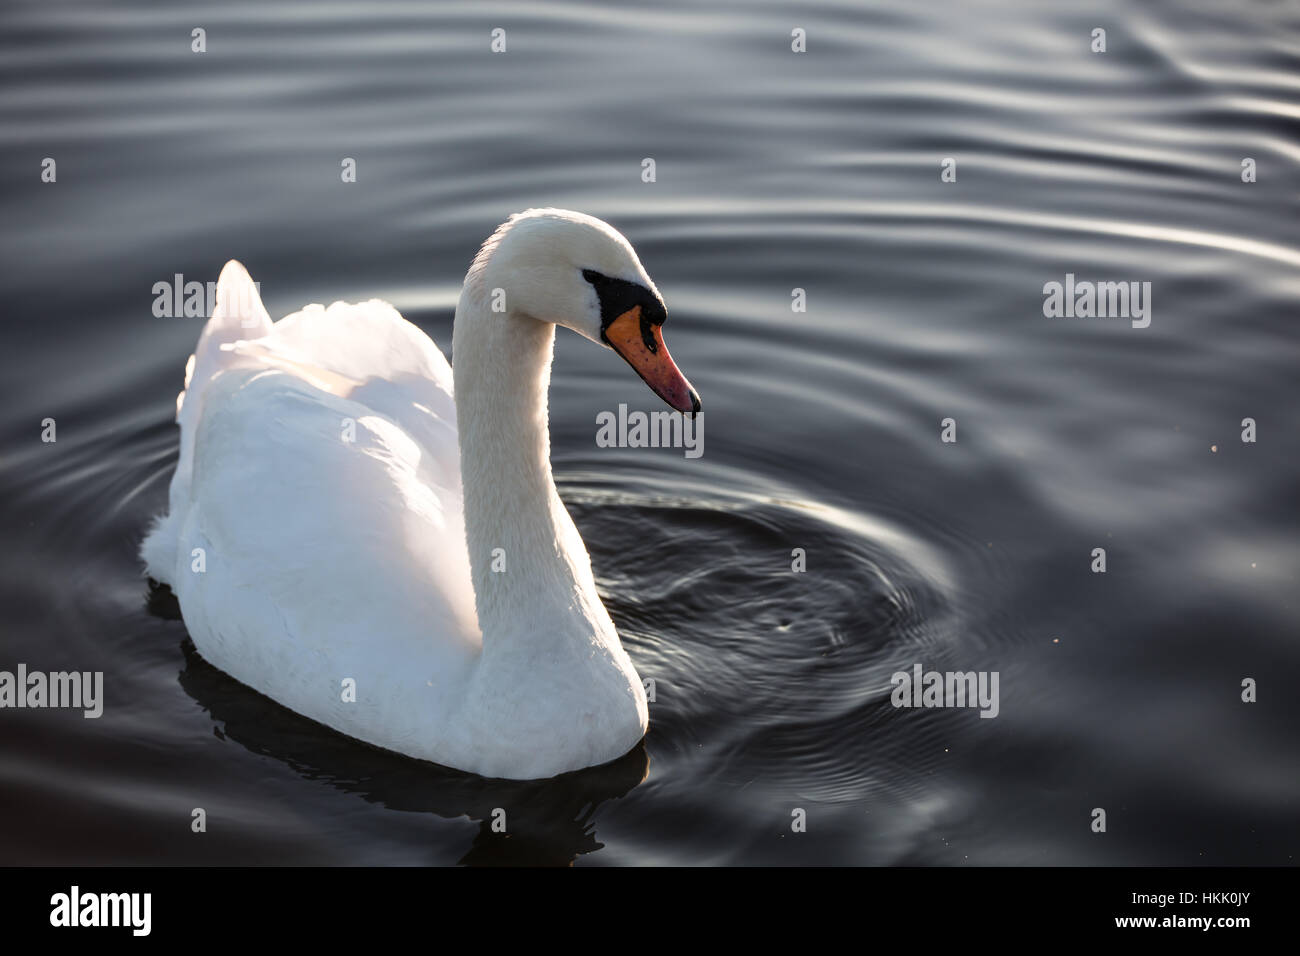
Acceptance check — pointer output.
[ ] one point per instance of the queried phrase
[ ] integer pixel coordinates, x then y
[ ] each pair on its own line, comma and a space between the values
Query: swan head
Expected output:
574, 270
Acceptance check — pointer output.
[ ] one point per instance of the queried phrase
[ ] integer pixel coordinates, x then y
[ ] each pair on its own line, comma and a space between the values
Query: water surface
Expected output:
775, 171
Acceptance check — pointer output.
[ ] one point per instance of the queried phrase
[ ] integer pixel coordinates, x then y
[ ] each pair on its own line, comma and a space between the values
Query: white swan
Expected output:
340, 526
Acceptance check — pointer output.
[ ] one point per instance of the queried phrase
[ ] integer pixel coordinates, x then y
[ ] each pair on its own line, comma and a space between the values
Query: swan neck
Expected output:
514, 520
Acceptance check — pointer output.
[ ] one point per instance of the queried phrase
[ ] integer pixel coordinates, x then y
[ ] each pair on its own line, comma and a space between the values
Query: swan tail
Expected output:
238, 315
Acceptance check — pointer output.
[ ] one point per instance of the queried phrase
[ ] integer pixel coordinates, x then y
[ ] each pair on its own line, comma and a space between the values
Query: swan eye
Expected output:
618, 296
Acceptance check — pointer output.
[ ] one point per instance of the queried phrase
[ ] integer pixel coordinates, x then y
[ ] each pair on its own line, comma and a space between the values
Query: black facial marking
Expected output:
617, 296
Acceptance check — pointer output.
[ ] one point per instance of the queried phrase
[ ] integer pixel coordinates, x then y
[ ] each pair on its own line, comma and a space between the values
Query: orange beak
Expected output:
642, 346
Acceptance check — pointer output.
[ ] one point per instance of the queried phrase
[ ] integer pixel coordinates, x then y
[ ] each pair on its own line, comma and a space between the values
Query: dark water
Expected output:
774, 171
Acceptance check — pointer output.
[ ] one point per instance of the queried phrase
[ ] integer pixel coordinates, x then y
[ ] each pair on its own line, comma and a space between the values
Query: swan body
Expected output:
376, 542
